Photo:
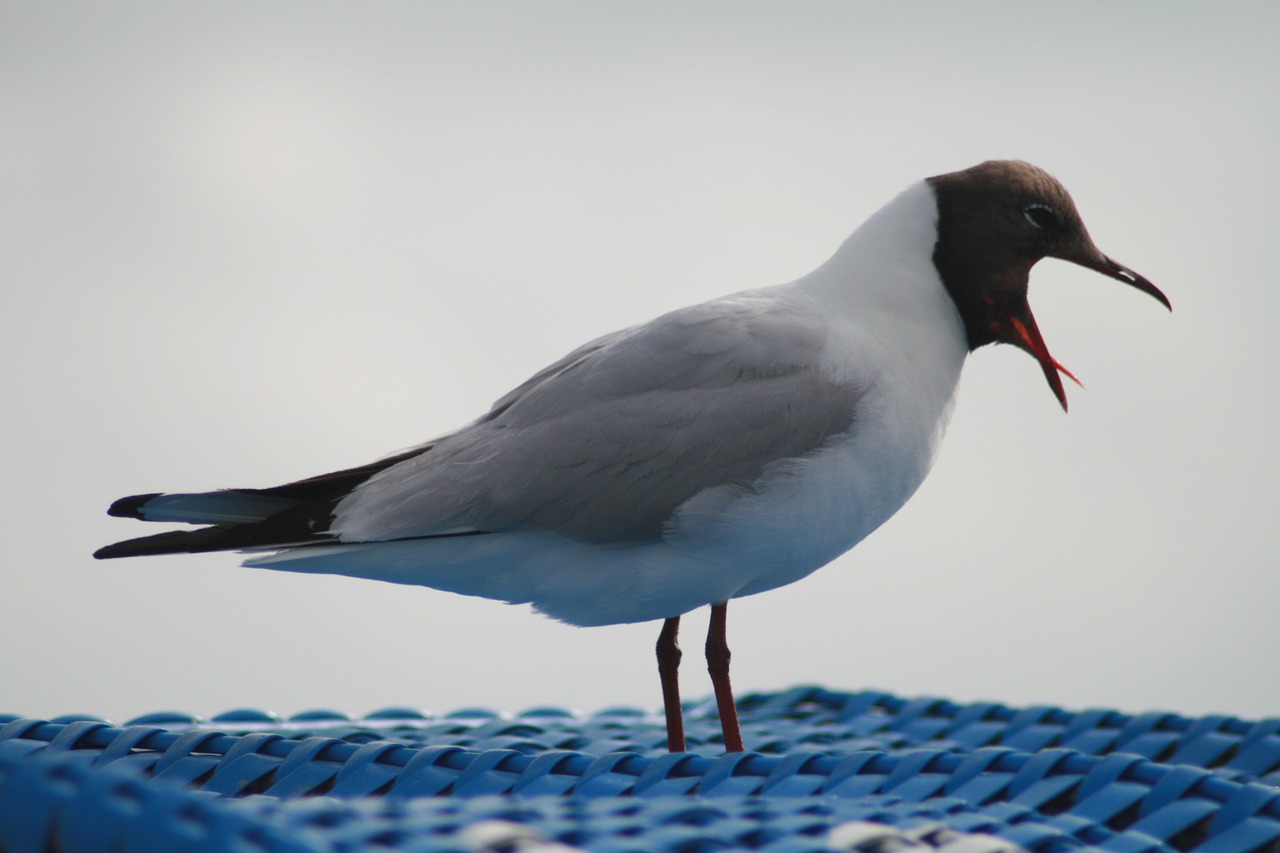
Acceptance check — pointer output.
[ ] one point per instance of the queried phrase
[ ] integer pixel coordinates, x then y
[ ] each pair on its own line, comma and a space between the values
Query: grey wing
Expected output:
604, 445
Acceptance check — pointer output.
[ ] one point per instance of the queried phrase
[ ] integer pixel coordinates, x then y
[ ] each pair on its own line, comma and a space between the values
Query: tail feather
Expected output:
296, 513
131, 507
301, 523
223, 507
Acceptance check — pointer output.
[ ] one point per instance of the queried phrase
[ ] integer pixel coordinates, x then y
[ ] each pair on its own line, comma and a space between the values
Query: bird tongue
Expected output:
1028, 336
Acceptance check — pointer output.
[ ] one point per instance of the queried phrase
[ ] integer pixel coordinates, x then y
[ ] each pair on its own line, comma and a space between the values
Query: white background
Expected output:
243, 243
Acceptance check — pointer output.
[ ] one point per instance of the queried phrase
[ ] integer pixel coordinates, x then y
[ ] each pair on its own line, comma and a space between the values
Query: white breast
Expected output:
895, 334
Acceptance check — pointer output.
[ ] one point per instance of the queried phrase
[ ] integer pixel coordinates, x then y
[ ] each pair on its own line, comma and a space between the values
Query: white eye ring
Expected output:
1040, 215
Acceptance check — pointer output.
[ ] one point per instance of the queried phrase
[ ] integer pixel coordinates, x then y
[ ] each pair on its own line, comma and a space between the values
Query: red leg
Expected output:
718, 666
669, 673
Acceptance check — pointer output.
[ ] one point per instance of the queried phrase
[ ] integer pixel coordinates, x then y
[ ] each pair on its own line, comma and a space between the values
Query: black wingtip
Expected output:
110, 552
173, 542
131, 507
176, 542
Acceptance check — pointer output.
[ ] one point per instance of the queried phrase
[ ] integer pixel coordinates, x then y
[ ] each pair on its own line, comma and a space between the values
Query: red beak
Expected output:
1027, 335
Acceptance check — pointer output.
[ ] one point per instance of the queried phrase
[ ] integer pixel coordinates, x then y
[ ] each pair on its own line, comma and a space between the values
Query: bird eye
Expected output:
1040, 215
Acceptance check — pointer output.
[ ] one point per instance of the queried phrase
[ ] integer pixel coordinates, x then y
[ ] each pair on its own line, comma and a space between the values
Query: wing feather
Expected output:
607, 443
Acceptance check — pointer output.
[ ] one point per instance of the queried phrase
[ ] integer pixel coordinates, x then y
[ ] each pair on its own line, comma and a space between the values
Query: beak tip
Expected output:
1122, 273
1059, 392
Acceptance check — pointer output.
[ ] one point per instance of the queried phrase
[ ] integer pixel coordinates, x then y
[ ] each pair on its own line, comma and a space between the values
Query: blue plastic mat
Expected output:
1043, 778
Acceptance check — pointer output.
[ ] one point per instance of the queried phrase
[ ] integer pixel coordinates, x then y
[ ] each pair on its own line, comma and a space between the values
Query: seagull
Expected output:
718, 451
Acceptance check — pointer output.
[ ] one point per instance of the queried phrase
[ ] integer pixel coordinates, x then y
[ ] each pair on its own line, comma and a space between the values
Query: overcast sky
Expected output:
247, 242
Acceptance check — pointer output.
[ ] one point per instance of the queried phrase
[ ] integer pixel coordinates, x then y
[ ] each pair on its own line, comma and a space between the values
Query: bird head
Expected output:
995, 222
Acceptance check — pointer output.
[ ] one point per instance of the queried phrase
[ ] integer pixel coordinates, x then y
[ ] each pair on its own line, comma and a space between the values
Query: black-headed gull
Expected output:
718, 451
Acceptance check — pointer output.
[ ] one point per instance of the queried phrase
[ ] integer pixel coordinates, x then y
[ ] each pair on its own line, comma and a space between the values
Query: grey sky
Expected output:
247, 242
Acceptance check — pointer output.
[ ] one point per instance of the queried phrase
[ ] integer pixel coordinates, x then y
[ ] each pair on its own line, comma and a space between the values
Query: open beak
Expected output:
1023, 332
1026, 335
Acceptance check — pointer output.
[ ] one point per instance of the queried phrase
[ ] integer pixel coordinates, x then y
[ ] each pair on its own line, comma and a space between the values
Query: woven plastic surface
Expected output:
1042, 778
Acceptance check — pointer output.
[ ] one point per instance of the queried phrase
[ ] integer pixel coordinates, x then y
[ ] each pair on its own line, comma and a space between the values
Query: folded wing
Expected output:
602, 446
